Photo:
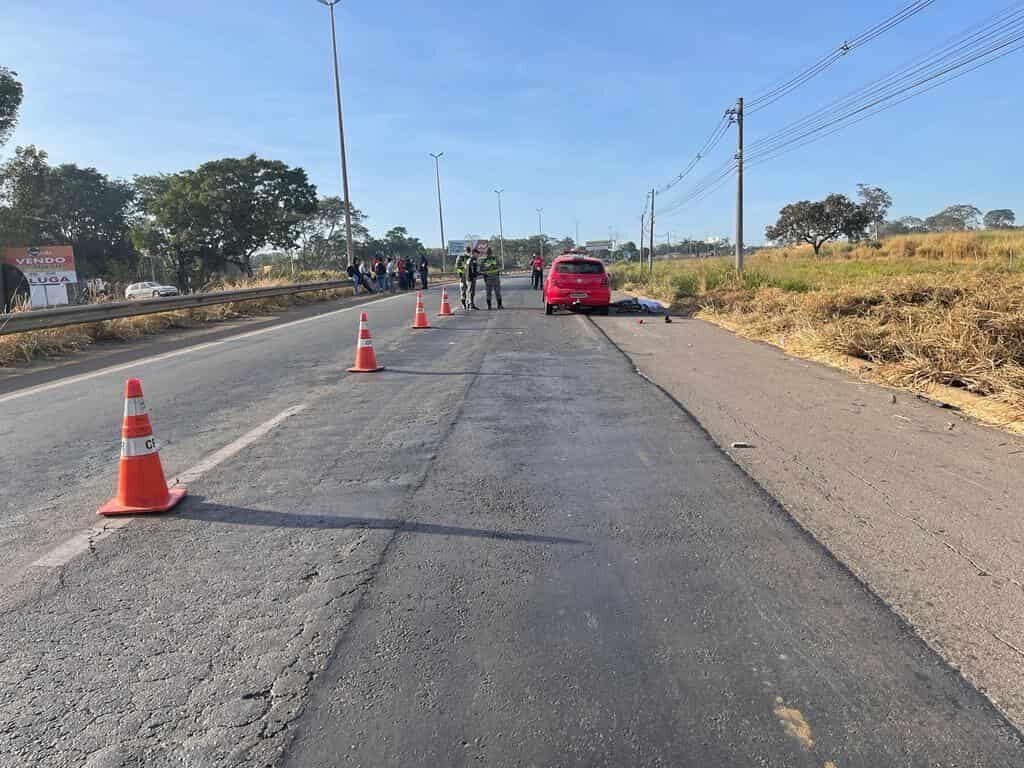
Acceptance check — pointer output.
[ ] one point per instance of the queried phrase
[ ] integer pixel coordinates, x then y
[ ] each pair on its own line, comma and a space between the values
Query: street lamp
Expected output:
501, 229
341, 132
440, 212
540, 231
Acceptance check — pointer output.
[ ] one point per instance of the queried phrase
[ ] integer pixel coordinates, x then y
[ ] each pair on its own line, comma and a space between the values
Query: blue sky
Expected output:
575, 107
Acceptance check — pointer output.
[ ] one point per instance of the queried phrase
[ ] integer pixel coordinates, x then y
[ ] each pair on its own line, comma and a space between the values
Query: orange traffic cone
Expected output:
141, 486
420, 320
446, 308
366, 361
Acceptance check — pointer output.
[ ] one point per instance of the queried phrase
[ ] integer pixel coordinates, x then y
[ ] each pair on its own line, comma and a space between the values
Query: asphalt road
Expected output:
506, 549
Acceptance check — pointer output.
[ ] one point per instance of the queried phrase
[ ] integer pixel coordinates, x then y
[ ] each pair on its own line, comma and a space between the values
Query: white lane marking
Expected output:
231, 449
187, 350
81, 542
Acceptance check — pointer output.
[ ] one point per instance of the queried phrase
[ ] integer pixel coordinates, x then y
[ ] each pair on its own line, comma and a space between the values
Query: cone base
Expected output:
421, 327
366, 370
114, 507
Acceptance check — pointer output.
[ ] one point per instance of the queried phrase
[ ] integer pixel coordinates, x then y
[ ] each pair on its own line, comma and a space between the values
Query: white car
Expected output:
149, 291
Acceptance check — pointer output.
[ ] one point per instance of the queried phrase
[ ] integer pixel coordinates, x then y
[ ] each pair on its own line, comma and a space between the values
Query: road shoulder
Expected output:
919, 502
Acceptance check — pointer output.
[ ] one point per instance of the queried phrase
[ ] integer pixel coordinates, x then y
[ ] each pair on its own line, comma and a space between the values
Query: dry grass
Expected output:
24, 347
921, 310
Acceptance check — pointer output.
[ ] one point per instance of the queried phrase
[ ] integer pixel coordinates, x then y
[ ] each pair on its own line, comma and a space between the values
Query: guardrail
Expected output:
41, 319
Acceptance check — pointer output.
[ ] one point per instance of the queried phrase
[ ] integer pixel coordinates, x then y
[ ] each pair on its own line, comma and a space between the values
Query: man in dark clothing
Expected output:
424, 268
472, 273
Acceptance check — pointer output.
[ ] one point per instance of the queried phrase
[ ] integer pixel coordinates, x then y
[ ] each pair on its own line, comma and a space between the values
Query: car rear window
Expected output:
580, 268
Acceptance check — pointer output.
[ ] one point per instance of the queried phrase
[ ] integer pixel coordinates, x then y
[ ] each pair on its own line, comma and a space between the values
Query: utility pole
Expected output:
739, 184
652, 231
540, 229
501, 229
341, 133
643, 217
440, 211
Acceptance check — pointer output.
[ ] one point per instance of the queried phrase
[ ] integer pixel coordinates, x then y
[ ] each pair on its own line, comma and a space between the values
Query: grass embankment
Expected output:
24, 347
920, 310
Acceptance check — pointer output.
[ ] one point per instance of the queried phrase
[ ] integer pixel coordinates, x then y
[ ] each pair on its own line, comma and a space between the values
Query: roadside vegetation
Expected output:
922, 309
25, 347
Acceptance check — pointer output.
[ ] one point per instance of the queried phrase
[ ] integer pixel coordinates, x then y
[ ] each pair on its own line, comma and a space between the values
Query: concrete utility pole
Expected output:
440, 211
652, 231
540, 229
643, 217
501, 229
341, 133
739, 184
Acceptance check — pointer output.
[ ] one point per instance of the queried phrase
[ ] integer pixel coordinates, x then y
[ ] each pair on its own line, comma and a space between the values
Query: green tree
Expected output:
955, 218
1000, 218
877, 202
818, 222
226, 210
320, 236
11, 94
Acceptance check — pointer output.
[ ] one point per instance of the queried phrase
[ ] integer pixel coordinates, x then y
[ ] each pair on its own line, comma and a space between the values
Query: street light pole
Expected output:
341, 133
440, 211
540, 231
501, 230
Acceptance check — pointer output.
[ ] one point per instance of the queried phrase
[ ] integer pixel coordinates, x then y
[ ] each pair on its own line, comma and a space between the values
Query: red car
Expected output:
577, 281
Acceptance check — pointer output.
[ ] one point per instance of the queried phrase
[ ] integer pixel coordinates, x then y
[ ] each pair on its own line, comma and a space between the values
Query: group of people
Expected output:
469, 266
388, 274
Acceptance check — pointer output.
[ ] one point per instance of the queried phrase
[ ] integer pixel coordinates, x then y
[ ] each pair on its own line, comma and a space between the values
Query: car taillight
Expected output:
604, 281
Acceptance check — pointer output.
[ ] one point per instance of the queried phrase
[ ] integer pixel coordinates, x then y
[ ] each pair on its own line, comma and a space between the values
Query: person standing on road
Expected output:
492, 277
353, 274
391, 274
537, 265
400, 267
424, 268
460, 270
381, 271
472, 273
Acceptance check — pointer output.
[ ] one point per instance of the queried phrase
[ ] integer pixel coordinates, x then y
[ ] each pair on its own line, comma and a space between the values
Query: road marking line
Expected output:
86, 540
231, 449
187, 350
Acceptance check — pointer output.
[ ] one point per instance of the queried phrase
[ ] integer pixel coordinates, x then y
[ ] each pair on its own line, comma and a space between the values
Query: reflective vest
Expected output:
490, 267
460, 265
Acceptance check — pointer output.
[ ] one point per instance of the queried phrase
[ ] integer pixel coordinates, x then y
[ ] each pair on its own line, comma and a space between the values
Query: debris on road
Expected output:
741, 445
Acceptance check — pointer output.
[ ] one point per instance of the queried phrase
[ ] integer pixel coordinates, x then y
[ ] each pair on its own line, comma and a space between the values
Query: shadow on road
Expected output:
409, 372
205, 511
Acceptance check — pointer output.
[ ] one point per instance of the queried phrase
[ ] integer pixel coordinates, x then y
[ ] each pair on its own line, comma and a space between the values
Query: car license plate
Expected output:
577, 295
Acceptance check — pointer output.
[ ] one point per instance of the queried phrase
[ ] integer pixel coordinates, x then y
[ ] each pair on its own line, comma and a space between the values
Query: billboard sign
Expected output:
48, 269
455, 247
598, 245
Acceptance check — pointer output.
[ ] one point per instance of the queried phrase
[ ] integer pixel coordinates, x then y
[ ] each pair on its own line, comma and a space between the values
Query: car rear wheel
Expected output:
549, 309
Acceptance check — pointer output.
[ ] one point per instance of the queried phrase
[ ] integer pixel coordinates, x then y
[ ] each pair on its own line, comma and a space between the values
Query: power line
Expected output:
772, 95
974, 49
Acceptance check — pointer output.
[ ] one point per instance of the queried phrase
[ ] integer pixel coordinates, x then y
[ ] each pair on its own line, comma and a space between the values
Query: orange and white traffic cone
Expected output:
141, 486
366, 360
446, 308
420, 320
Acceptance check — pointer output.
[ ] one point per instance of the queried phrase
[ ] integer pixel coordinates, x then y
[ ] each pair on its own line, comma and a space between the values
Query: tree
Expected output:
628, 250
955, 218
1000, 218
226, 210
11, 94
320, 236
877, 202
818, 222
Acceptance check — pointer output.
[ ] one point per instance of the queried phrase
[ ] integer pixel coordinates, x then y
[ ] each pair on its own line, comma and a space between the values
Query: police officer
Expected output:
472, 273
460, 270
492, 277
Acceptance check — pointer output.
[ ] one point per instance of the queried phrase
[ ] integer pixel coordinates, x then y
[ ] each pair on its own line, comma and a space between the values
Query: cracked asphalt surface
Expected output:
506, 549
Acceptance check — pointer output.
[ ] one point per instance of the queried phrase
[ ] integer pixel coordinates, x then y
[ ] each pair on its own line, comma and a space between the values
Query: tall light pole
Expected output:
501, 229
440, 212
341, 133
540, 231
